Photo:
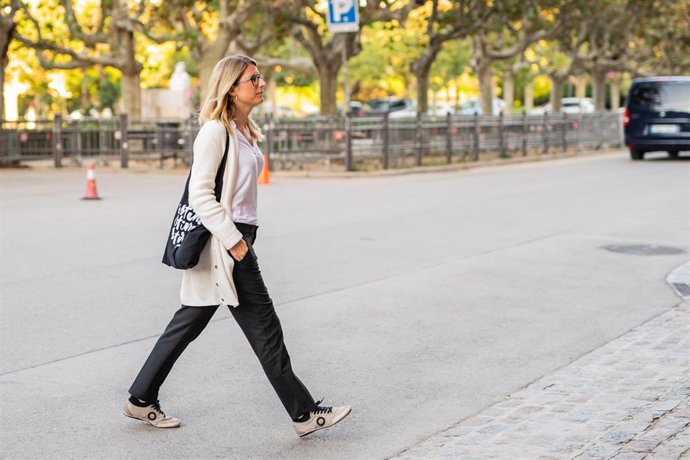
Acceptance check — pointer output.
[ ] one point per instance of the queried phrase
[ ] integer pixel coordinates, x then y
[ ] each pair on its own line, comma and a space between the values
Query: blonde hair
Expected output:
219, 104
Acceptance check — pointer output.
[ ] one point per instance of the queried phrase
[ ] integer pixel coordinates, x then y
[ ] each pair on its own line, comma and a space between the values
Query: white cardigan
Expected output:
210, 282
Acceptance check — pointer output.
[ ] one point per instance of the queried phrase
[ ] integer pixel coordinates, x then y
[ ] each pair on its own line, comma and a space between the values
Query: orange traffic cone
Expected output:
265, 177
91, 192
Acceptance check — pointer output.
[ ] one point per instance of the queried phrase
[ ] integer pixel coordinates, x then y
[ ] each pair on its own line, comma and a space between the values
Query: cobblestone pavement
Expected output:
628, 400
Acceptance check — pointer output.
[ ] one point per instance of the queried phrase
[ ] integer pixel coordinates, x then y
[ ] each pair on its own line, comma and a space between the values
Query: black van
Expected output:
657, 116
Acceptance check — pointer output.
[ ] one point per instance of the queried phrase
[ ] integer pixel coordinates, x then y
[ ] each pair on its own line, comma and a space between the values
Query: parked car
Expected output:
568, 105
356, 108
439, 110
386, 104
657, 116
475, 106
408, 112
266, 109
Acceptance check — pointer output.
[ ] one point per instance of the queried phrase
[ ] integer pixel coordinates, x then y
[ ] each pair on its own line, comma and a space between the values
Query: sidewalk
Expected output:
628, 400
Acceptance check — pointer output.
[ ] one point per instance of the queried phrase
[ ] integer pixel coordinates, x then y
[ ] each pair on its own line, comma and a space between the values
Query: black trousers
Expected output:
257, 319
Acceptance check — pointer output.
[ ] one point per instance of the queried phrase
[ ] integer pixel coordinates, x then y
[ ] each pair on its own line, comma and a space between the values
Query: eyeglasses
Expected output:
254, 79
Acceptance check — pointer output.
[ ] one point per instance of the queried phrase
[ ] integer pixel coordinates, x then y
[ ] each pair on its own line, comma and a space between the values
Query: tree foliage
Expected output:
112, 48
327, 49
102, 33
446, 21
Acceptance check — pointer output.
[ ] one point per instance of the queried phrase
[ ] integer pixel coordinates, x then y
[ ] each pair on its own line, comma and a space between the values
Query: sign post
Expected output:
343, 17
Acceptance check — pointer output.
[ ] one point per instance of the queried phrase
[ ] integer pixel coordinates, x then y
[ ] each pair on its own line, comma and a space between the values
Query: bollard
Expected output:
385, 140
501, 140
57, 141
564, 133
269, 142
577, 132
449, 138
101, 144
189, 140
76, 137
349, 166
525, 133
124, 145
545, 133
476, 136
599, 128
418, 138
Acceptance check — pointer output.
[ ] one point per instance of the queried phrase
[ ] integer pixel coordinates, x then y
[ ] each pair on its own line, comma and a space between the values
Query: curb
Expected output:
679, 280
47, 166
444, 168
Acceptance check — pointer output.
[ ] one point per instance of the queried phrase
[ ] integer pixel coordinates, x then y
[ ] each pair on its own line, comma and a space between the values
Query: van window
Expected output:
661, 95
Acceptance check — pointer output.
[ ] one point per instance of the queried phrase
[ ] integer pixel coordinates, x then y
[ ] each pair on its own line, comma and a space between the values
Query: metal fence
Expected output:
120, 138
386, 141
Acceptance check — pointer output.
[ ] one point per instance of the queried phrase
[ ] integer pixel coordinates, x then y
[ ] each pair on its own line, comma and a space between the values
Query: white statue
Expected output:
180, 80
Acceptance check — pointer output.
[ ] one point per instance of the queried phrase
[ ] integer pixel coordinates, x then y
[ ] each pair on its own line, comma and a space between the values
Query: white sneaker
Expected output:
151, 414
321, 417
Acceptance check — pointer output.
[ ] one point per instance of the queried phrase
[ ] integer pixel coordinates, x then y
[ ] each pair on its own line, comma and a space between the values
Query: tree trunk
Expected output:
210, 56
41, 107
232, 14
615, 93
7, 28
271, 90
486, 84
328, 60
580, 86
409, 87
2, 90
599, 90
328, 87
124, 43
529, 97
423, 90
556, 93
84, 96
131, 94
421, 68
509, 90
131, 80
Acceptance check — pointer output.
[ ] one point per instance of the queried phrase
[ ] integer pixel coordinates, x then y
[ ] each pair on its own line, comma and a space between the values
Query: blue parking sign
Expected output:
343, 16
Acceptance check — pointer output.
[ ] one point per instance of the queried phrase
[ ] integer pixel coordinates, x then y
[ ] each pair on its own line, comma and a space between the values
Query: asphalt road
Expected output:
417, 299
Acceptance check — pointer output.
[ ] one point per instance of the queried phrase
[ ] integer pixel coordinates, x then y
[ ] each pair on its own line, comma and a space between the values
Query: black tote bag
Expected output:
188, 236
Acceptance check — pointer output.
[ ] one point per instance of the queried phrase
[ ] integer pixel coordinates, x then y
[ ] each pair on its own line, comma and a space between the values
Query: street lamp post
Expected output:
343, 17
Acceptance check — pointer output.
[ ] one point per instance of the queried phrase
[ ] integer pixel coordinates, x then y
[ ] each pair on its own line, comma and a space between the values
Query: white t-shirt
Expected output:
249, 166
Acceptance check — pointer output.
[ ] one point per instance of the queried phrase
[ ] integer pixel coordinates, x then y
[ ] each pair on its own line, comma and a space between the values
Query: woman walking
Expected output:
227, 272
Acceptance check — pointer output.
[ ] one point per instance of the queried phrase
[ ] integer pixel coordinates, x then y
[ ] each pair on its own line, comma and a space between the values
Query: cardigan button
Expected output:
216, 284
216, 266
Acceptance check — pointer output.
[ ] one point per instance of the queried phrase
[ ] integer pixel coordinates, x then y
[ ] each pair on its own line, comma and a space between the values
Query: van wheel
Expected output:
636, 154
673, 153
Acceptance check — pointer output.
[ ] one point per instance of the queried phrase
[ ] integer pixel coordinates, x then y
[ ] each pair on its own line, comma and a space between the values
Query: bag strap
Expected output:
221, 168
219, 174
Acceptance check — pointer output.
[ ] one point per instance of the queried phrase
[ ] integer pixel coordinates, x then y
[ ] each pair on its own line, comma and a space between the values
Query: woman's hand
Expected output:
239, 250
